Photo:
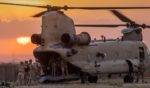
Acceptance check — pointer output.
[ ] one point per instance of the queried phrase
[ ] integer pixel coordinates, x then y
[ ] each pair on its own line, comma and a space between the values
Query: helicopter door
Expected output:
141, 53
98, 59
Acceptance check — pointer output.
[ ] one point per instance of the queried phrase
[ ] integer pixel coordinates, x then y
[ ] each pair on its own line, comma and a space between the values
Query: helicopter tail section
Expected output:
55, 68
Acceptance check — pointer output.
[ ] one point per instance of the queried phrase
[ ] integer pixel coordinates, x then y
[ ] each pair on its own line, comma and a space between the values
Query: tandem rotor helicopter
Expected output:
65, 55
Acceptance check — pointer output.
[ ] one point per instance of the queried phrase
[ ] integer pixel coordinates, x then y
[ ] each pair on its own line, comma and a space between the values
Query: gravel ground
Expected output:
88, 86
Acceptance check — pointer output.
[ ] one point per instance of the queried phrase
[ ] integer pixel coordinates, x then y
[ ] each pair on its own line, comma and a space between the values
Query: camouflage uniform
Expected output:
36, 71
26, 76
54, 68
31, 73
141, 70
21, 74
64, 68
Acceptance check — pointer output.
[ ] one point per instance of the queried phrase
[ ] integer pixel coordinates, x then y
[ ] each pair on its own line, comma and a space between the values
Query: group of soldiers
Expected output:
57, 67
28, 72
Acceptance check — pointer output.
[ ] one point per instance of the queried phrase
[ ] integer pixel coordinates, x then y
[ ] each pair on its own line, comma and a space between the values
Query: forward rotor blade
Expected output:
121, 16
84, 8
107, 25
24, 5
39, 14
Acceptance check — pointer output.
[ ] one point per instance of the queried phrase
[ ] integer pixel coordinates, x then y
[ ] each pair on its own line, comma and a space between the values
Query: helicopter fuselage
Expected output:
58, 42
103, 56
110, 56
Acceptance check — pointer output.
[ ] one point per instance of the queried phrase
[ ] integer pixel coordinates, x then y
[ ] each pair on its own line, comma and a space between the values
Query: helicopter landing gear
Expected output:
92, 79
88, 78
84, 77
128, 79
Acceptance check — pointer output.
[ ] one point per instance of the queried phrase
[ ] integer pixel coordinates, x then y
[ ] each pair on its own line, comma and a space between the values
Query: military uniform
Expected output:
141, 70
21, 74
36, 71
31, 74
26, 76
64, 68
54, 68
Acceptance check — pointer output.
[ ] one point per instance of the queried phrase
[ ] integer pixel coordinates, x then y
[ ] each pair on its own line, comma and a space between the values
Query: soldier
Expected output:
54, 66
64, 68
50, 66
20, 79
26, 68
37, 71
141, 69
31, 72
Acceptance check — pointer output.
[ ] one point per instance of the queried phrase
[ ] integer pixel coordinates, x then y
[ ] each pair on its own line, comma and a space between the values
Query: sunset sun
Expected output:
23, 40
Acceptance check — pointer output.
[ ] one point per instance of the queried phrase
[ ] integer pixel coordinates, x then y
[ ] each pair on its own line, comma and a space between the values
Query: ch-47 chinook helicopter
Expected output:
61, 51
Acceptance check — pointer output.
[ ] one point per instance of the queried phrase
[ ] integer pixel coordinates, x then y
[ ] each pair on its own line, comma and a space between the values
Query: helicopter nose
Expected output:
45, 58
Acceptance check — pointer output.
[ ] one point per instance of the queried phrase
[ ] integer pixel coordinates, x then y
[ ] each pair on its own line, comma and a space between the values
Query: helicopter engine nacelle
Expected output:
71, 39
36, 39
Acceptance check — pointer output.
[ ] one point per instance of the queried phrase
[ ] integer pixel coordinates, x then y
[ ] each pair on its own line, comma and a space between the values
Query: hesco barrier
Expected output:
8, 72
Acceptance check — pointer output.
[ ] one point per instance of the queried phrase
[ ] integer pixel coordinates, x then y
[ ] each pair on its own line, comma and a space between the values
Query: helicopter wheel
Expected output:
83, 78
128, 79
92, 79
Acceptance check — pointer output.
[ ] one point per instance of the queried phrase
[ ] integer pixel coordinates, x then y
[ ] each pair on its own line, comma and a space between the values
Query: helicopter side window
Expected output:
141, 53
148, 52
102, 55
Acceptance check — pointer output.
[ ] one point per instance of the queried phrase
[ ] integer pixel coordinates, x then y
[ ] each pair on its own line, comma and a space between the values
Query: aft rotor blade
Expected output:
97, 25
147, 26
39, 14
24, 5
121, 16
144, 26
106, 8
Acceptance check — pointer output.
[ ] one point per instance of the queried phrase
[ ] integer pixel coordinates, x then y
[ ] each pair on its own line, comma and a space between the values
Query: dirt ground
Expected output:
102, 83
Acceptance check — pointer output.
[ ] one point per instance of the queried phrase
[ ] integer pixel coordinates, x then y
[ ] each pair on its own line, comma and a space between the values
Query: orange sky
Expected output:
16, 21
